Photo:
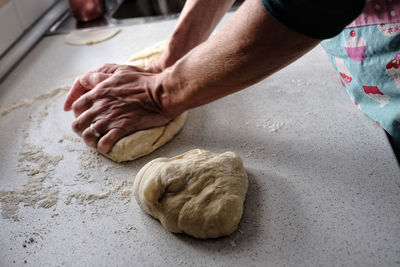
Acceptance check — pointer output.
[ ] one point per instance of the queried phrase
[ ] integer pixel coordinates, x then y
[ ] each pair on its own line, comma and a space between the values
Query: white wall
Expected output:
16, 16
30, 10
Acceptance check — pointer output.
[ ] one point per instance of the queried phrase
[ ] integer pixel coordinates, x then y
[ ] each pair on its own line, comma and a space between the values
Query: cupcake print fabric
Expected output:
366, 56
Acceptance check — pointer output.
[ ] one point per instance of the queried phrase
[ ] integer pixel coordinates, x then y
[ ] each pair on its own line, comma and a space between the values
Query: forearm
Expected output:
251, 46
196, 22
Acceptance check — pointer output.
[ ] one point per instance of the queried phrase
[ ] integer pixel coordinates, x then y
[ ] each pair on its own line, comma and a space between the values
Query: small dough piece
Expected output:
144, 142
199, 193
90, 36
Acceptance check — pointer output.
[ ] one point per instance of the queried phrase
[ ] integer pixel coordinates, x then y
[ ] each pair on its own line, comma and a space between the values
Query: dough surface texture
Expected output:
90, 36
146, 141
148, 55
199, 193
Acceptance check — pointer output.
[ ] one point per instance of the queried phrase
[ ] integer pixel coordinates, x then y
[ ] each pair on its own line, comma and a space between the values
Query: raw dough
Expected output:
148, 55
90, 36
144, 142
199, 193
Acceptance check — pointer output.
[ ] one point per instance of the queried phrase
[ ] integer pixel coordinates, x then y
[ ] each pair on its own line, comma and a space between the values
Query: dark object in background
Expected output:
125, 9
147, 8
86, 10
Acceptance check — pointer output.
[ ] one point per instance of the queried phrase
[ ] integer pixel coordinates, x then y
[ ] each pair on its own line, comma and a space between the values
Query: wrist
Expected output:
166, 94
175, 49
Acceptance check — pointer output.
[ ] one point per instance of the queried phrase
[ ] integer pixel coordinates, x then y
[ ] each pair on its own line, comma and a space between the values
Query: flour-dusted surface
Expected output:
323, 187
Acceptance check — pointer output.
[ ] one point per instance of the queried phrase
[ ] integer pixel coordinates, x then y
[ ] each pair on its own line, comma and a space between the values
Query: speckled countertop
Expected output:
324, 184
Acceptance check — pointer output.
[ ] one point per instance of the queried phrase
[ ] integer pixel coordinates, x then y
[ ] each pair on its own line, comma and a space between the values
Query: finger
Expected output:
107, 141
130, 68
97, 114
108, 68
84, 120
112, 68
91, 79
82, 85
91, 136
81, 105
74, 93
96, 96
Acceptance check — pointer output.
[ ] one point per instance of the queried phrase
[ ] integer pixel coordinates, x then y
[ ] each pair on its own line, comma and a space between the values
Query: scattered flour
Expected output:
254, 152
39, 167
86, 188
89, 158
90, 161
120, 189
27, 102
272, 126
307, 83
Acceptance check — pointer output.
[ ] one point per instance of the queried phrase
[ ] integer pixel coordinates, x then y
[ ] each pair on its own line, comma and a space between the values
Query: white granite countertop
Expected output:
324, 186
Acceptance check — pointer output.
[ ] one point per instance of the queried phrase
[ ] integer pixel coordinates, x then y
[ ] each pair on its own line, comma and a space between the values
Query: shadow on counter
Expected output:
395, 146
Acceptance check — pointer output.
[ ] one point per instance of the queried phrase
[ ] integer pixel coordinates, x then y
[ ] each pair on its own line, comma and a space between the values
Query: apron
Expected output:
366, 57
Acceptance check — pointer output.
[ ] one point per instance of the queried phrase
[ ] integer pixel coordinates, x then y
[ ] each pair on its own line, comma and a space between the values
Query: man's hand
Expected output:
116, 100
89, 80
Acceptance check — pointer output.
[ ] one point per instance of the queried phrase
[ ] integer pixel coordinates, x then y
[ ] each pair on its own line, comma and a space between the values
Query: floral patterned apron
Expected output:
366, 56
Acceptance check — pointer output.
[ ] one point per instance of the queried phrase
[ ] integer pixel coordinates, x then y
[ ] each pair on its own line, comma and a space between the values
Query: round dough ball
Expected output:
144, 142
199, 193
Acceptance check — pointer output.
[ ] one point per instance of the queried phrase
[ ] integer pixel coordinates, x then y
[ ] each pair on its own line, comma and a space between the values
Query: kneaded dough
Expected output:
148, 55
199, 193
90, 36
144, 142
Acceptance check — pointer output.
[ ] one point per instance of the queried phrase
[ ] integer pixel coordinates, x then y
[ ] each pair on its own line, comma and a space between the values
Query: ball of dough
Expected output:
144, 142
199, 193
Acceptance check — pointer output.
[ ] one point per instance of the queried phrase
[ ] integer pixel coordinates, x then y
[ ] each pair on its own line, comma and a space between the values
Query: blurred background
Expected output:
19, 16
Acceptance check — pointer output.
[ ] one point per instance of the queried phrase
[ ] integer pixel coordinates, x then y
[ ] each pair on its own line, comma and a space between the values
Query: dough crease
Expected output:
199, 193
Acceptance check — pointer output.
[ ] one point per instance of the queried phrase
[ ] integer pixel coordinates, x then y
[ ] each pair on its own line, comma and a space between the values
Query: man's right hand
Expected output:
115, 101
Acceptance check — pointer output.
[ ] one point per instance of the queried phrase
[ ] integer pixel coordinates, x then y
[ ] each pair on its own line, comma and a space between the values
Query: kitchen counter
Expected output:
324, 185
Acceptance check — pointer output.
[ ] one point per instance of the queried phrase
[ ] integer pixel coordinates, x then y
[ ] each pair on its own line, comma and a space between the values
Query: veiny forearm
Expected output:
250, 46
196, 22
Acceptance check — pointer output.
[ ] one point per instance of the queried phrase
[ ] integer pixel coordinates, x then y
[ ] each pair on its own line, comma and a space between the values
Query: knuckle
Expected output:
87, 135
80, 104
107, 68
125, 123
84, 79
106, 65
106, 143
118, 76
128, 68
98, 95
